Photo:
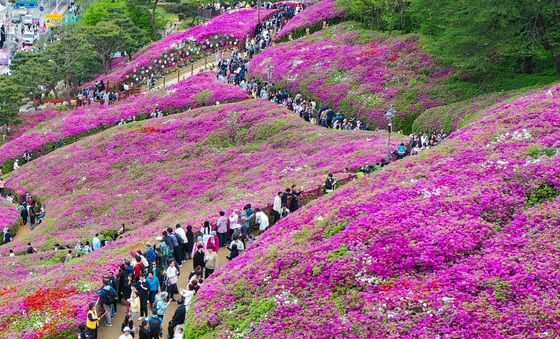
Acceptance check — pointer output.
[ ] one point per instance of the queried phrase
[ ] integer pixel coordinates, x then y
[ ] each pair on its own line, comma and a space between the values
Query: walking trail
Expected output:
114, 332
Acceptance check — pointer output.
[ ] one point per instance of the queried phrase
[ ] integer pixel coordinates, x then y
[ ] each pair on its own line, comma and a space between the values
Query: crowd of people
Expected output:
147, 281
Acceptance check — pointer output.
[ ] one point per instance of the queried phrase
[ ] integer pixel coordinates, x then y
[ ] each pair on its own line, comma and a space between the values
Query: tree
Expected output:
108, 38
383, 15
483, 37
33, 72
75, 58
11, 95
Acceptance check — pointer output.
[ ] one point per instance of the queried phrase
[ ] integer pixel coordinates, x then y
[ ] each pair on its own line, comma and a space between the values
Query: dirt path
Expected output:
115, 331
22, 232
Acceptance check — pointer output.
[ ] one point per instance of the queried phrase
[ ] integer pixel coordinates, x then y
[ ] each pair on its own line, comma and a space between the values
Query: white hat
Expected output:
159, 238
127, 329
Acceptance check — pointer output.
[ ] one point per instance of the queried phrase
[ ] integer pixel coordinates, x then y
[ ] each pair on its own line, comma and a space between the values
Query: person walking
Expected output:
277, 206
211, 262
222, 228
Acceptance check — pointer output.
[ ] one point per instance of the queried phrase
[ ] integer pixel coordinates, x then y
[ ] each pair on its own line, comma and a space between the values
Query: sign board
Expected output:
54, 16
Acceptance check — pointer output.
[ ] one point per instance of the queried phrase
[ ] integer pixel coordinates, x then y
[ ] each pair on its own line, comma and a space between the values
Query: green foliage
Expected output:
342, 251
497, 37
334, 228
542, 193
11, 94
536, 151
383, 15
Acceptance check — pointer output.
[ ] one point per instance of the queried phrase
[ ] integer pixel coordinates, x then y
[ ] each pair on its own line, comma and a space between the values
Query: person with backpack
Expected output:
177, 246
163, 251
108, 296
150, 254
154, 323
160, 304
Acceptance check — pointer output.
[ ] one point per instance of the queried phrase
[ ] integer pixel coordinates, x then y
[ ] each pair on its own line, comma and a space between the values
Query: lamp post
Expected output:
269, 68
389, 115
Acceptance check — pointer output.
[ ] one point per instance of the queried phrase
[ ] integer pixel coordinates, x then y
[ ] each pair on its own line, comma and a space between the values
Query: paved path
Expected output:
184, 73
115, 331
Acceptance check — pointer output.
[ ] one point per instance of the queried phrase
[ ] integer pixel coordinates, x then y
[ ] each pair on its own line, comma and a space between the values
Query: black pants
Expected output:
276, 217
177, 255
143, 306
207, 272
172, 290
171, 329
91, 333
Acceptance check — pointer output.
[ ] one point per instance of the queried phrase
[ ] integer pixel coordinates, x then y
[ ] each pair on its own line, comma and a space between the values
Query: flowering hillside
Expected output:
148, 174
453, 116
8, 214
359, 72
460, 242
31, 119
312, 16
201, 89
221, 32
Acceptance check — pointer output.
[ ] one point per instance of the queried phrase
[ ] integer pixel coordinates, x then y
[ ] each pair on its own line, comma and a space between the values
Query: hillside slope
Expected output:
181, 168
461, 241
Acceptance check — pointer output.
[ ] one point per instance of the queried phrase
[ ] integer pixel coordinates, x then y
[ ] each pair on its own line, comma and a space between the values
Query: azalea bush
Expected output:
311, 17
459, 242
453, 116
181, 168
9, 215
359, 72
201, 89
180, 48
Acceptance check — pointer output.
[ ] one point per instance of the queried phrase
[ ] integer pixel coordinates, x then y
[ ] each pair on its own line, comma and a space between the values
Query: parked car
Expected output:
22, 11
28, 38
16, 19
28, 20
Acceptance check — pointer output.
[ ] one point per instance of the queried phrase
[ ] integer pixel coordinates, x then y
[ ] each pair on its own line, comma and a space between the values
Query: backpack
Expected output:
108, 298
164, 250
155, 325
179, 239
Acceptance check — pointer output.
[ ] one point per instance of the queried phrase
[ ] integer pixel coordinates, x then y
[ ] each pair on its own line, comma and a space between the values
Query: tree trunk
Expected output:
528, 64
557, 59
153, 20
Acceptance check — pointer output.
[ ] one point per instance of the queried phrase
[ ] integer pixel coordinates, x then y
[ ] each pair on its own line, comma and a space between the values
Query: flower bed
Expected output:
201, 89
361, 73
313, 16
453, 116
460, 242
9, 215
222, 32
182, 168
30, 120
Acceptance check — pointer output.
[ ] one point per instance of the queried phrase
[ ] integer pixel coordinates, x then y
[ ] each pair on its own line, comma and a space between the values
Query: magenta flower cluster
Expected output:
314, 15
358, 72
9, 215
180, 168
460, 242
221, 32
200, 89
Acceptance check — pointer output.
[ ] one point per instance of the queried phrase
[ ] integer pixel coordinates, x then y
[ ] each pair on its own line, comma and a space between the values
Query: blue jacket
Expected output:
153, 284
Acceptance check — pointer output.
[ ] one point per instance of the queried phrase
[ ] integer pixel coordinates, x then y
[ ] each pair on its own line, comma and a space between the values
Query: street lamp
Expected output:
390, 115
269, 68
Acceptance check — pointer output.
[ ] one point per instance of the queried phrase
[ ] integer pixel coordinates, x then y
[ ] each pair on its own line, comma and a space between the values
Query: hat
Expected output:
127, 329
159, 238
148, 244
